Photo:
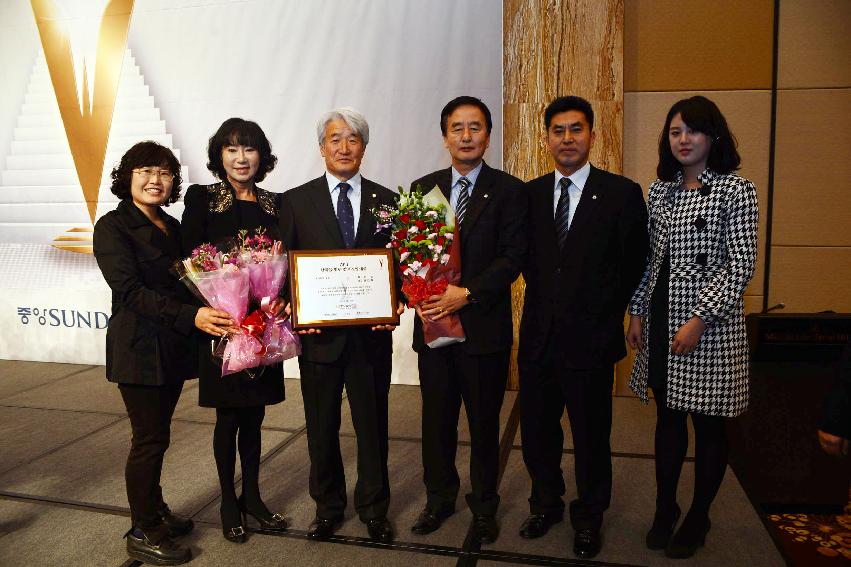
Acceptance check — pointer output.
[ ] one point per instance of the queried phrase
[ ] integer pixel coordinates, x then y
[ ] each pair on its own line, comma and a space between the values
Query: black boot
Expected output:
690, 536
176, 525
664, 523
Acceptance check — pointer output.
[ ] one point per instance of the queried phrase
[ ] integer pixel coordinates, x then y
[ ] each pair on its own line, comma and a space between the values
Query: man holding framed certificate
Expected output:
341, 269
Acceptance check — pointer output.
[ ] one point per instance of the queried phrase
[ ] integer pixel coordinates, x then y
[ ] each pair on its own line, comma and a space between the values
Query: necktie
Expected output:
463, 199
562, 213
345, 215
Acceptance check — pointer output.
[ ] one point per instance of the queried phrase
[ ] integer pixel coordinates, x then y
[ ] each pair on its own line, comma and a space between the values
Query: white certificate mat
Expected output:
343, 287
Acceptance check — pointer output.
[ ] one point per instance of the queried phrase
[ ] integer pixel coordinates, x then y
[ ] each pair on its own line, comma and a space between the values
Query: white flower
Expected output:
415, 265
388, 245
413, 229
404, 255
444, 259
432, 236
449, 235
432, 214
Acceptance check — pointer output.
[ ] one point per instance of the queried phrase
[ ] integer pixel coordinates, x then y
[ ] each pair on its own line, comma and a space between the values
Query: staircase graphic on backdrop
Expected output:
40, 191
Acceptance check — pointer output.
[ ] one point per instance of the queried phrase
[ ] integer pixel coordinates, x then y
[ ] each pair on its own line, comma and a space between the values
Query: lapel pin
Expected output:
593, 196
486, 195
373, 195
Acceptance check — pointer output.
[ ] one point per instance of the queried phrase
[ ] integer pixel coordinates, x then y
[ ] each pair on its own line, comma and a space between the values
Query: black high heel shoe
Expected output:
267, 520
234, 534
663, 528
687, 540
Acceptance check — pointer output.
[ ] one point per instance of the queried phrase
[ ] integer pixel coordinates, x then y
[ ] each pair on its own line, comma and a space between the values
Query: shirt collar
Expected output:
579, 177
333, 182
472, 175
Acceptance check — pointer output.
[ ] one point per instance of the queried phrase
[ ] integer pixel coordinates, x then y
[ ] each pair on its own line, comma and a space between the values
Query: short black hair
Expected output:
701, 115
239, 132
566, 103
145, 154
453, 104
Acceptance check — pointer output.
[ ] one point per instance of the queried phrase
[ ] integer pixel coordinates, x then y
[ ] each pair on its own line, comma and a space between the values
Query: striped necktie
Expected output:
562, 216
463, 199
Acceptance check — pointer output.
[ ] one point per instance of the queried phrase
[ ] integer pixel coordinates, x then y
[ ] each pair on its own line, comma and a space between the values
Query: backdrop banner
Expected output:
83, 81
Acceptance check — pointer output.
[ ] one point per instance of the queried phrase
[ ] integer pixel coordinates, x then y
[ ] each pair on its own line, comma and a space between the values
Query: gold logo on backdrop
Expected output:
85, 83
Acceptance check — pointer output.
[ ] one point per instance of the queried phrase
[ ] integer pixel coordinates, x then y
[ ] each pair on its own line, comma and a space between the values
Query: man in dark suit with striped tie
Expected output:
587, 249
331, 212
490, 213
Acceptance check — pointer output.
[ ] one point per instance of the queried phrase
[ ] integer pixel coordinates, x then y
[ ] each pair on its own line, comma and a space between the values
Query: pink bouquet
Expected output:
266, 264
217, 279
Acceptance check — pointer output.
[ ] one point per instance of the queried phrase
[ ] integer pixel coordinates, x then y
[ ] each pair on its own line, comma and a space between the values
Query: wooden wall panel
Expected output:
553, 48
670, 45
812, 203
814, 44
809, 280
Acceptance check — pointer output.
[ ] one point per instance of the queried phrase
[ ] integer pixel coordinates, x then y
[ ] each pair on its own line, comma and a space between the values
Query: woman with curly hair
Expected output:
688, 321
149, 349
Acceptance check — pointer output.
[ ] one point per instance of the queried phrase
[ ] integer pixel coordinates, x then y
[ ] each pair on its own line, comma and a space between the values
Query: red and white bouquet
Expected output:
226, 278
424, 240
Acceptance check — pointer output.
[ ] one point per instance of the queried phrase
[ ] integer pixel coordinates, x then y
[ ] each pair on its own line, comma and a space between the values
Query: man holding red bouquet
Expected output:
490, 208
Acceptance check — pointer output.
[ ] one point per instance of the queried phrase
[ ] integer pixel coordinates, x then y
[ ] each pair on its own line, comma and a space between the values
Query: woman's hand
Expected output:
213, 322
686, 339
633, 333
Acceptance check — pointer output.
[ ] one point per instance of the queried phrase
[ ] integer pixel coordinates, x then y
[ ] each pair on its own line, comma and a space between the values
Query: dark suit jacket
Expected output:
493, 246
148, 340
581, 293
308, 222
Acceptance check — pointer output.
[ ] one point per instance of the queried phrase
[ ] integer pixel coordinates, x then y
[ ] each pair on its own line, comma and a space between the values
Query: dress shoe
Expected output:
587, 543
232, 527
485, 529
663, 527
164, 552
322, 529
690, 536
176, 525
537, 525
380, 530
429, 520
267, 520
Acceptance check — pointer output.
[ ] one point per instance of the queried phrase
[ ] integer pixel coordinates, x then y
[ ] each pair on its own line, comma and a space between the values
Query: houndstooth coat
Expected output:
712, 238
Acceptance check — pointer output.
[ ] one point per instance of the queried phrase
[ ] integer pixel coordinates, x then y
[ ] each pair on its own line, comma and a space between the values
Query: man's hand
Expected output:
633, 333
686, 339
438, 306
833, 444
399, 310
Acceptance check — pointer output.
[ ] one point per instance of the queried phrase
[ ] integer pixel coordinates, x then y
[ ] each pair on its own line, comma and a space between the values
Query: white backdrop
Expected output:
281, 63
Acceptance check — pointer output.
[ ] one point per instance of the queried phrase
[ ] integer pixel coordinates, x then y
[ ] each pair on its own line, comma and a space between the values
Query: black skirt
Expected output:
659, 339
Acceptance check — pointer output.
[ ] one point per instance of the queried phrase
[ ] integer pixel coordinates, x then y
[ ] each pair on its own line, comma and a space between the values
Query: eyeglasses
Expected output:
149, 172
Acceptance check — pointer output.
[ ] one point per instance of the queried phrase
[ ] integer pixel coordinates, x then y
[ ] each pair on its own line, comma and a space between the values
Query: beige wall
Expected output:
723, 49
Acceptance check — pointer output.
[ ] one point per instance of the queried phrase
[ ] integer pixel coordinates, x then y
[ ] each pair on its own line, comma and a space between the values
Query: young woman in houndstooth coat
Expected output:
687, 323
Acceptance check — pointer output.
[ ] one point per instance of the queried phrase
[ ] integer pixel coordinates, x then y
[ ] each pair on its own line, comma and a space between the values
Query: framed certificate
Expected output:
332, 288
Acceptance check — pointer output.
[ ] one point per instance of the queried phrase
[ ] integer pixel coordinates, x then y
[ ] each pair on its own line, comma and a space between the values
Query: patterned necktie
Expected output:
345, 215
463, 199
562, 213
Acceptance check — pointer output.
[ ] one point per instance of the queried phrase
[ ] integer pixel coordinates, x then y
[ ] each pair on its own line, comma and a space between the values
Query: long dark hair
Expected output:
701, 115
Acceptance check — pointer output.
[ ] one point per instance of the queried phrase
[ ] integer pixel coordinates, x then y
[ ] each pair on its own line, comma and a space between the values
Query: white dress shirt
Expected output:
456, 187
577, 184
354, 194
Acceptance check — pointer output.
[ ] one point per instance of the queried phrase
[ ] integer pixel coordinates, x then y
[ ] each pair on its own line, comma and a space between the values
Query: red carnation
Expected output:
418, 238
401, 233
406, 218
441, 240
420, 224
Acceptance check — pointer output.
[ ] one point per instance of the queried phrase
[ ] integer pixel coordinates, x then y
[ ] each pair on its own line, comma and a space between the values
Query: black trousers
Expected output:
367, 382
546, 388
150, 409
449, 376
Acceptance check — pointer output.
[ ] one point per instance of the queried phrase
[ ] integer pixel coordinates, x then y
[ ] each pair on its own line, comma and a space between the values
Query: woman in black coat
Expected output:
239, 155
149, 351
